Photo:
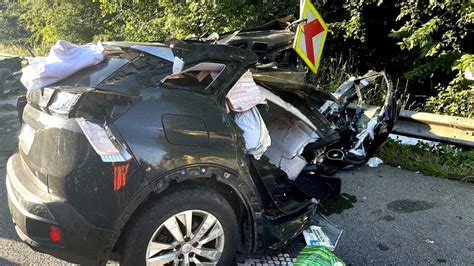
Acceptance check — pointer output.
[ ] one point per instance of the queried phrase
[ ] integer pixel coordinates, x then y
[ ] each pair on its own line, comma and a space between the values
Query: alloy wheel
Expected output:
192, 237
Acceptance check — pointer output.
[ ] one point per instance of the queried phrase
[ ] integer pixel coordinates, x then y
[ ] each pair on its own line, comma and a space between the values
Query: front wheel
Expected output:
190, 226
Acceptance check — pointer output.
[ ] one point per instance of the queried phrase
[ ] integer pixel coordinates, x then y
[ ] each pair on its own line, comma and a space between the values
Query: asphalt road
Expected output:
389, 215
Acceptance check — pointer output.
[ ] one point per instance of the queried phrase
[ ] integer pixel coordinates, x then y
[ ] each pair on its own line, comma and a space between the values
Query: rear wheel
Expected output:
190, 226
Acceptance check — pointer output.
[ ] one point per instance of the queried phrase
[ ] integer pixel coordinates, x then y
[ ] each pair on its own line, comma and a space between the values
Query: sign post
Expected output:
310, 35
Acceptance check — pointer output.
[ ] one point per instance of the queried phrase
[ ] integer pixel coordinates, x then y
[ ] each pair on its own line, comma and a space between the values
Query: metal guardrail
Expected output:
441, 128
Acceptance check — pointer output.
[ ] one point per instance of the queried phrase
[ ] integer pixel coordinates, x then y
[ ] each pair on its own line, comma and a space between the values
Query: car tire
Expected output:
153, 222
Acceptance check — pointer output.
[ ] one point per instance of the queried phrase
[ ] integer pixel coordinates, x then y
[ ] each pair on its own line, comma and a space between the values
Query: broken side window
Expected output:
197, 78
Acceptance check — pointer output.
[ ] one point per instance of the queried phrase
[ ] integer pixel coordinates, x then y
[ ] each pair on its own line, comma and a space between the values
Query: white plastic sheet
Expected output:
358, 148
256, 136
245, 94
64, 59
374, 162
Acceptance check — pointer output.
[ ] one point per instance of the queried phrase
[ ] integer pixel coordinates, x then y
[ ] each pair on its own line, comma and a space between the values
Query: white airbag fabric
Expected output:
64, 59
245, 94
256, 137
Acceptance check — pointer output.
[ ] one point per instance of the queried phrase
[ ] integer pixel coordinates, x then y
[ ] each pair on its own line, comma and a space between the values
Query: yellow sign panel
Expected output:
310, 36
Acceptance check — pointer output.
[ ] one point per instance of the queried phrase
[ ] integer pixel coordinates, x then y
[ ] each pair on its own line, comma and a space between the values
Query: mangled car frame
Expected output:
187, 153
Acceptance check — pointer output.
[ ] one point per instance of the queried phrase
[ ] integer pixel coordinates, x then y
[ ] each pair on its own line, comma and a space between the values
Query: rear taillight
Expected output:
55, 234
75, 102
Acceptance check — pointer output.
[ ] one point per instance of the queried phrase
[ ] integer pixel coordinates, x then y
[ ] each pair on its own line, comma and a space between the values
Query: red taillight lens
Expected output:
55, 234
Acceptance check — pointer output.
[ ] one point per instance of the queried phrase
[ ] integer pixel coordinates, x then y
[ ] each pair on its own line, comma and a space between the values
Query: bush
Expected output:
427, 43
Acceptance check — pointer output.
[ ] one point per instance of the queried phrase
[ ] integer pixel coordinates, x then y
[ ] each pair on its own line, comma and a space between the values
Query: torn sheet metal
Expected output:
358, 148
256, 136
101, 143
281, 80
64, 102
244, 95
64, 59
159, 51
289, 137
287, 106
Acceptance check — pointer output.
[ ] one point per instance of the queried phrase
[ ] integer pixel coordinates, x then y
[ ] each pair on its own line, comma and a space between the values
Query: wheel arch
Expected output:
242, 197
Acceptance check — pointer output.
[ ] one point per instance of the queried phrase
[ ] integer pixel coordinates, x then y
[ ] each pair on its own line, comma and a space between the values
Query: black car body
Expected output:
66, 201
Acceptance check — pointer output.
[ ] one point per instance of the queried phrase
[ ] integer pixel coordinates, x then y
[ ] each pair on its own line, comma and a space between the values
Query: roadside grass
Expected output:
440, 160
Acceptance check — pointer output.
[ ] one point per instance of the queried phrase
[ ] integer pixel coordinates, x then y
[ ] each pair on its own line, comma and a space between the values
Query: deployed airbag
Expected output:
245, 94
64, 59
256, 137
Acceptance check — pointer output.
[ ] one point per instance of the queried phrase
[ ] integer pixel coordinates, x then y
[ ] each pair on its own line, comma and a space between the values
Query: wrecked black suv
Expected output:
135, 160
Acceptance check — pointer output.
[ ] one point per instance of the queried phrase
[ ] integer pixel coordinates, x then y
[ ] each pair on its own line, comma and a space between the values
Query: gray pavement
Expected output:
401, 217
390, 215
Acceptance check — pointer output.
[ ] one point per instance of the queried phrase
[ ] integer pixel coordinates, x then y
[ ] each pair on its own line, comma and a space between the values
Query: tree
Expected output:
12, 30
428, 43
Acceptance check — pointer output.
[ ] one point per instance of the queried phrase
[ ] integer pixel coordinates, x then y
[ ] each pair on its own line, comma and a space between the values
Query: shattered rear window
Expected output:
143, 72
92, 76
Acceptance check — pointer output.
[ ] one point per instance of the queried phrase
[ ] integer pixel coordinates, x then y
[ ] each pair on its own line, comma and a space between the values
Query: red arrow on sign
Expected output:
310, 30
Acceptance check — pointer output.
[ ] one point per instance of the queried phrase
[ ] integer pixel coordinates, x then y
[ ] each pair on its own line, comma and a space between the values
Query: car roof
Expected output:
192, 52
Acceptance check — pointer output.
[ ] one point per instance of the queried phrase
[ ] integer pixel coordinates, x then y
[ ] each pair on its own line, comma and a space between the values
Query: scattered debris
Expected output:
318, 255
429, 241
374, 162
314, 236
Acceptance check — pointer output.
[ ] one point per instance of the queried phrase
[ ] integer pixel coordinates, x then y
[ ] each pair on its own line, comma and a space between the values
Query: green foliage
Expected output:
429, 43
439, 160
433, 39
12, 31
149, 20
458, 97
48, 21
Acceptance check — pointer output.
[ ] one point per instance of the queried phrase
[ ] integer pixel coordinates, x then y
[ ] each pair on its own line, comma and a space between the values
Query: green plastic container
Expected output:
317, 256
